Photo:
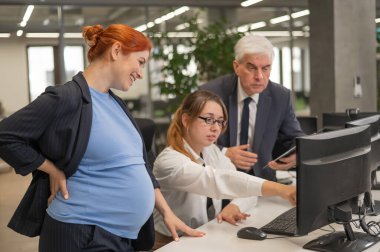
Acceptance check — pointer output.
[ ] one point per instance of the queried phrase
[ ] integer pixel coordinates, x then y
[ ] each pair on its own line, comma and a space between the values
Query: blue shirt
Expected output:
111, 188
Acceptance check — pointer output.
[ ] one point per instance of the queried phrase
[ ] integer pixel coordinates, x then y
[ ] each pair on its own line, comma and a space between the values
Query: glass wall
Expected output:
46, 21
42, 70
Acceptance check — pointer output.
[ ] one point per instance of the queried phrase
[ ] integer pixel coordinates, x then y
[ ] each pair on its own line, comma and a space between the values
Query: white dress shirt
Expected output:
186, 185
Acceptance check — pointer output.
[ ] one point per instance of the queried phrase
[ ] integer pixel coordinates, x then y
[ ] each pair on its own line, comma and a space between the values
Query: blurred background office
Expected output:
325, 52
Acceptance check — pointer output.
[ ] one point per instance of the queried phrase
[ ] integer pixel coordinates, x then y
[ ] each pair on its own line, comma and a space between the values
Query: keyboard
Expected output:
284, 224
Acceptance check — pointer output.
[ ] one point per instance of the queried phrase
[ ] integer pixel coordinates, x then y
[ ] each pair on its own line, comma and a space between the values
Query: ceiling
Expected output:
77, 13
46, 16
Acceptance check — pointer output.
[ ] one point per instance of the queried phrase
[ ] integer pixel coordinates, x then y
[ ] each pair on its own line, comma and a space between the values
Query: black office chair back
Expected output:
148, 128
308, 124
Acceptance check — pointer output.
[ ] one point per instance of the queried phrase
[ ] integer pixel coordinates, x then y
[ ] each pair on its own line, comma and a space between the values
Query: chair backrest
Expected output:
148, 128
308, 124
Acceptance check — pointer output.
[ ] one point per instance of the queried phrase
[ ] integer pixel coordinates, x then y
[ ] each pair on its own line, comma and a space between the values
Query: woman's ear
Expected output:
116, 50
185, 120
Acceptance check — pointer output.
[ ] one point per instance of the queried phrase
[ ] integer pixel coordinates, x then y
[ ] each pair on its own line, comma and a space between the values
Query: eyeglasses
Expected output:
212, 121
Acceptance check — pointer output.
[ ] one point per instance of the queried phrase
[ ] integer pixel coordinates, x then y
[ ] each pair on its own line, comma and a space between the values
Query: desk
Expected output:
222, 237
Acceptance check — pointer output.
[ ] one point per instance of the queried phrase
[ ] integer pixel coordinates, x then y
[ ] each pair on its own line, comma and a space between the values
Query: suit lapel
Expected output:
232, 117
262, 115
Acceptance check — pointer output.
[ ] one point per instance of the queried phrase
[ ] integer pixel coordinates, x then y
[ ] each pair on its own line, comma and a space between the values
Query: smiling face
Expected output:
253, 71
128, 68
199, 134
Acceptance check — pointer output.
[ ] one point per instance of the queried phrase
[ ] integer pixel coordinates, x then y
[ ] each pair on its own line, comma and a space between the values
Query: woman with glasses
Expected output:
194, 174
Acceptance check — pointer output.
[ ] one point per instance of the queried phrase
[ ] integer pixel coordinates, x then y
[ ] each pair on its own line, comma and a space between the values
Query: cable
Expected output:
372, 227
333, 230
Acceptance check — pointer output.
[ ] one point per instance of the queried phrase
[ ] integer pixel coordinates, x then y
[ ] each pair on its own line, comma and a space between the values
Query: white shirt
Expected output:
241, 95
186, 185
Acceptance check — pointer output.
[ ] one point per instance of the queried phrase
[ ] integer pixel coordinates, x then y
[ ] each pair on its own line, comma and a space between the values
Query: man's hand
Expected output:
240, 157
231, 213
285, 163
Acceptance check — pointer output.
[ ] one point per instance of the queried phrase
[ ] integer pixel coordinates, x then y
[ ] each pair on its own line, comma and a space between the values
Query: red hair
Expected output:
100, 39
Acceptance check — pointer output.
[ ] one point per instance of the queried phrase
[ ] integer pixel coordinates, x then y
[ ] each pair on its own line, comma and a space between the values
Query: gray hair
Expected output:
253, 44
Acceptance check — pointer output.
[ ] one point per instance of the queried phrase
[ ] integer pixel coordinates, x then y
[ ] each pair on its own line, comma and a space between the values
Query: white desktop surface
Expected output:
222, 236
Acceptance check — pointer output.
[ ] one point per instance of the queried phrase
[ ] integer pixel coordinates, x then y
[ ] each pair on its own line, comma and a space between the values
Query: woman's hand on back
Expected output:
57, 180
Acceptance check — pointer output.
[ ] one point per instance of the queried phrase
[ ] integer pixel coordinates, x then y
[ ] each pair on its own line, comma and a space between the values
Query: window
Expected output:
42, 70
41, 67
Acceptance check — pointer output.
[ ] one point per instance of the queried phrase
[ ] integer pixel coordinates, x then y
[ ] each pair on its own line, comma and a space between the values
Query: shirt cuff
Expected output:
245, 204
224, 150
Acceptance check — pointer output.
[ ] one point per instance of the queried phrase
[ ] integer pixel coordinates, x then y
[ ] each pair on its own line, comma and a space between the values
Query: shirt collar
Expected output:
193, 153
242, 94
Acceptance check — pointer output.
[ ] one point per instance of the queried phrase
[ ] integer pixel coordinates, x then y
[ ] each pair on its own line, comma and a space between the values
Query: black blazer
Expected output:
55, 126
275, 120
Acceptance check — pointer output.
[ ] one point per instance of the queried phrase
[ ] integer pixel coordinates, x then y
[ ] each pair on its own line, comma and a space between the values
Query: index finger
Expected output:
243, 147
193, 232
248, 154
277, 166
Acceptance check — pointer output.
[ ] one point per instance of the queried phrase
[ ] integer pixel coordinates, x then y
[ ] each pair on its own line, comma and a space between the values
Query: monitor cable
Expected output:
372, 227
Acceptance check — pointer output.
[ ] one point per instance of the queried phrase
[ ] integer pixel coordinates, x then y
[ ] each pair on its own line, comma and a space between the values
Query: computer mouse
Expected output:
251, 233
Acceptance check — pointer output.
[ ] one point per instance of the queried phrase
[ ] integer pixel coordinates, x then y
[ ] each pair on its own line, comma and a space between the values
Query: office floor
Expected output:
12, 188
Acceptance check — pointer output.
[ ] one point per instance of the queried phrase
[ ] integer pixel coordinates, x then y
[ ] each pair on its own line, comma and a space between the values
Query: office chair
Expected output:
308, 124
148, 128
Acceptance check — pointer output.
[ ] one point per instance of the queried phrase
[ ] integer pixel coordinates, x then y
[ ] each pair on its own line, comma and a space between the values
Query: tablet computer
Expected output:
286, 153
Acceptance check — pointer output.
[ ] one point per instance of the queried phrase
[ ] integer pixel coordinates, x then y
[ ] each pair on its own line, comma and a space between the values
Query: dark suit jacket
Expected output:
55, 126
275, 120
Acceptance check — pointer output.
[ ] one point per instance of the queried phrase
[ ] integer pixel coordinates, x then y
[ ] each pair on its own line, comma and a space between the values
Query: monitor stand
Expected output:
374, 210
375, 184
347, 241
375, 205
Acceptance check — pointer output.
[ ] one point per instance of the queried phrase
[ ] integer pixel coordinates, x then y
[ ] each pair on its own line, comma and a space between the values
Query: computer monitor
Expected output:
374, 125
333, 169
374, 157
337, 120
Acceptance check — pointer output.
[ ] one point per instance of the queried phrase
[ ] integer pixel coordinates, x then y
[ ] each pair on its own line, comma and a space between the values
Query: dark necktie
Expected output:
244, 125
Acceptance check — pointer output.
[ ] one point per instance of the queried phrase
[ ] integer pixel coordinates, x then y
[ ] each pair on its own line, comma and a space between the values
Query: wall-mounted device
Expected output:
357, 87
